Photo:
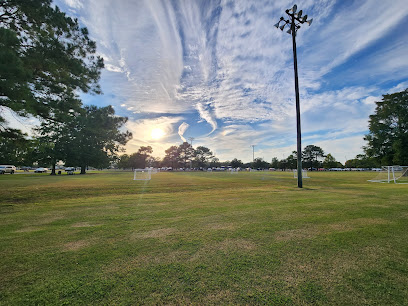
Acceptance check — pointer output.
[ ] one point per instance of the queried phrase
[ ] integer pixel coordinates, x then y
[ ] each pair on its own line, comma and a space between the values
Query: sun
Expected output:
157, 133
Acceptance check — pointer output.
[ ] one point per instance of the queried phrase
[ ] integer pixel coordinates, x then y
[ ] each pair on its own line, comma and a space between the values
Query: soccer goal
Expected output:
388, 174
142, 174
304, 174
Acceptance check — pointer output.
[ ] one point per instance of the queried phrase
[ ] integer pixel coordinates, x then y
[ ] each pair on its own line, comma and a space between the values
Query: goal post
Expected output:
142, 174
304, 173
392, 174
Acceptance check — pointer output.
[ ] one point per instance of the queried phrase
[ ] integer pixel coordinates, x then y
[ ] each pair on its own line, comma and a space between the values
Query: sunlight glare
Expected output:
157, 133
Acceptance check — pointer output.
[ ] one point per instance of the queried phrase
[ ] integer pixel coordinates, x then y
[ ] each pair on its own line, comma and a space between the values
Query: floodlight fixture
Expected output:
295, 20
276, 25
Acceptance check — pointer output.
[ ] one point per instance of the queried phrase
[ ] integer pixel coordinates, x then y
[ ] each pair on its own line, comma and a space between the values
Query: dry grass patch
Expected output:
84, 224
310, 232
296, 234
28, 229
221, 226
158, 233
76, 245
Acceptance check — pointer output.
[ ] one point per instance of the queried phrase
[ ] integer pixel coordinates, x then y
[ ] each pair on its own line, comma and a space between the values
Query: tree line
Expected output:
186, 156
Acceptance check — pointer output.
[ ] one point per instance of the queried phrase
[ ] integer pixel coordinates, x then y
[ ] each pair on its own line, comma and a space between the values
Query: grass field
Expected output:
203, 238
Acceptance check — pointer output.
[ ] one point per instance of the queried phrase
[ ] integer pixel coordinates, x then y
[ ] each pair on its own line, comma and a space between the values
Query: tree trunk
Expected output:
53, 169
83, 170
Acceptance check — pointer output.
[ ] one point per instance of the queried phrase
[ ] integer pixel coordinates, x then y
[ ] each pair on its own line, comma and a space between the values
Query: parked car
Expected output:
7, 169
41, 170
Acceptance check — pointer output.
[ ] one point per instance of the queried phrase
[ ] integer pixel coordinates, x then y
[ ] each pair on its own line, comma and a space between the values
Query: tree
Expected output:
236, 163
215, 162
186, 153
45, 57
172, 156
123, 162
330, 162
260, 163
95, 137
312, 153
202, 156
275, 163
15, 149
388, 136
291, 161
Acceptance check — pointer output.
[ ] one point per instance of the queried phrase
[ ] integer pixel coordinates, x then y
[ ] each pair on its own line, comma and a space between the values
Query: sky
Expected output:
219, 74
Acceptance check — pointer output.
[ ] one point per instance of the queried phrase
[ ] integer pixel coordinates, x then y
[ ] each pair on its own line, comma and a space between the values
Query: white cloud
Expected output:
207, 116
182, 129
77, 4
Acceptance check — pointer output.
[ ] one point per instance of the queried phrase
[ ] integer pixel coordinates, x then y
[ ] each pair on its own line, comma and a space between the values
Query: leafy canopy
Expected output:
45, 59
388, 136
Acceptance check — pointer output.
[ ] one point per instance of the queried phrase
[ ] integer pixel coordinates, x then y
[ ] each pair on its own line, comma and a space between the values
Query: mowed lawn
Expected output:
203, 238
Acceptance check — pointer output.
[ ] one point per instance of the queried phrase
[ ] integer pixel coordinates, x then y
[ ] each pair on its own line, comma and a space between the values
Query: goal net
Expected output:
142, 174
392, 174
304, 174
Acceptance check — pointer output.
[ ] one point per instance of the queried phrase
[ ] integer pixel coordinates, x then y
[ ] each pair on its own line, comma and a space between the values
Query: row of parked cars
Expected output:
12, 169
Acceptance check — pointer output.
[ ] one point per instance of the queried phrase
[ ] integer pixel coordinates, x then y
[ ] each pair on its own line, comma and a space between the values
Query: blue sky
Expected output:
218, 71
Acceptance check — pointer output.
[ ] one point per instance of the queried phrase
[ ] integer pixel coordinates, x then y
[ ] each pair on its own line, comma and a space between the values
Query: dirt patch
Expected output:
75, 245
158, 233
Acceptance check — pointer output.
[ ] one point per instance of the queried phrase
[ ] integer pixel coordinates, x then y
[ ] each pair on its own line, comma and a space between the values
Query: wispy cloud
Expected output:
182, 129
207, 116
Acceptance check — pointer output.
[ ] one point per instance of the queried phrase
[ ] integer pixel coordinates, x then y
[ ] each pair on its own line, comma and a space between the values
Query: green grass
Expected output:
203, 238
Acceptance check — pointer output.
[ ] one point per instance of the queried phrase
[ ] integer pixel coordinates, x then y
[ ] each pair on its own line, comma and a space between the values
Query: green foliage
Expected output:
311, 154
260, 163
45, 59
15, 149
95, 137
202, 156
186, 153
330, 162
172, 157
236, 163
388, 136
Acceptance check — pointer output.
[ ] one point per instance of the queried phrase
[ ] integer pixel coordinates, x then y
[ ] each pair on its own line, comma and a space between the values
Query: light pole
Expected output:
294, 21
253, 153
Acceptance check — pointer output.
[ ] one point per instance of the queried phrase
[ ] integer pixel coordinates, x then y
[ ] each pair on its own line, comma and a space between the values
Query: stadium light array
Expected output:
294, 22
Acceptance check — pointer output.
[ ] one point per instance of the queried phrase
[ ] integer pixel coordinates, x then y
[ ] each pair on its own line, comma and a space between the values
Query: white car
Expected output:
7, 169
41, 170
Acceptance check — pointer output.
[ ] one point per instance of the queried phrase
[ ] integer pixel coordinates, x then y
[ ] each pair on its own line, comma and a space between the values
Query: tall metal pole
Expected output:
253, 153
298, 129
295, 17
